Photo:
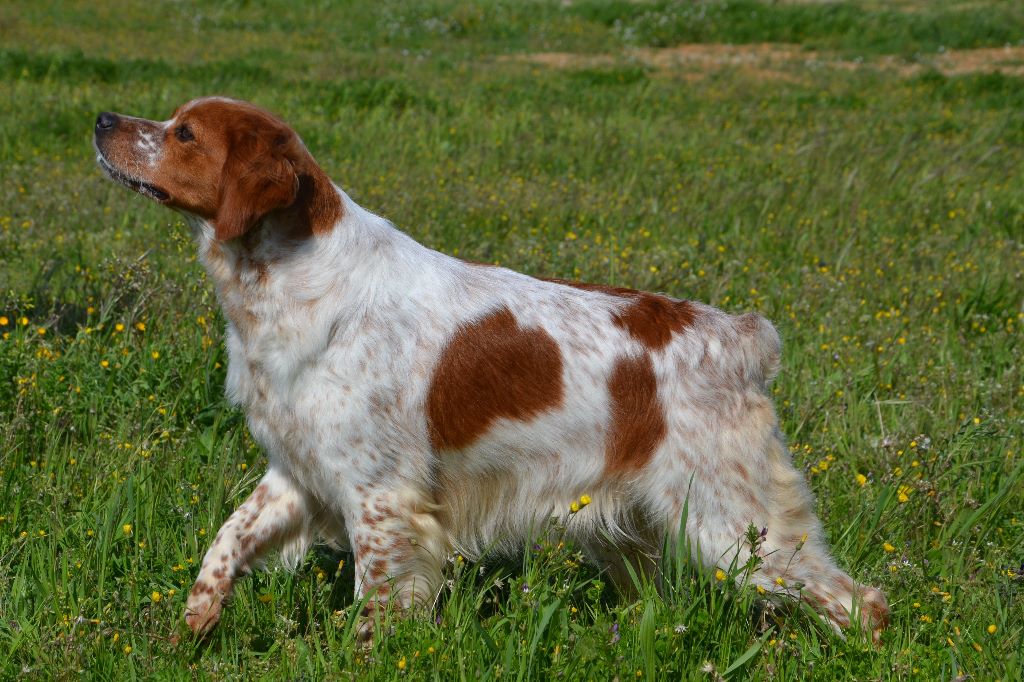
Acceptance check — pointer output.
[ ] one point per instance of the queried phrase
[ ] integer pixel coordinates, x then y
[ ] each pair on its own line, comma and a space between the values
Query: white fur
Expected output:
334, 376
332, 349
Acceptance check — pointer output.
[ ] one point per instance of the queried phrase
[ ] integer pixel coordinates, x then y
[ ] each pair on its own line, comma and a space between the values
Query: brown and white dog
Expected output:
412, 404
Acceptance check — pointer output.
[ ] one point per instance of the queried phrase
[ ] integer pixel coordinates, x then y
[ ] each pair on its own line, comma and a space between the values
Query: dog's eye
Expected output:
184, 133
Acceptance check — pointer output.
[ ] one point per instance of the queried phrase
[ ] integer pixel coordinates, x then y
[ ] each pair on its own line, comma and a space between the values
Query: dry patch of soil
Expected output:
1008, 60
781, 61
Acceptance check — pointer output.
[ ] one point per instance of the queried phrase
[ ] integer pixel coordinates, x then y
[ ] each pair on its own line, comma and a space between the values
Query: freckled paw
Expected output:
202, 611
201, 617
367, 622
364, 632
874, 612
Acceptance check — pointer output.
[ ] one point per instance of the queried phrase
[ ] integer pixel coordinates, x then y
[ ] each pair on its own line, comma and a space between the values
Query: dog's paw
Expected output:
202, 617
874, 613
364, 633
205, 601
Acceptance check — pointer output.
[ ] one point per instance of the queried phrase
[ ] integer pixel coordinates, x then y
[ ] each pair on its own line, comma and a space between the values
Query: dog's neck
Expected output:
278, 273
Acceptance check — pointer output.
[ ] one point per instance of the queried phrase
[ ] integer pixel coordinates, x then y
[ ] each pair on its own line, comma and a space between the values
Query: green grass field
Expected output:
854, 171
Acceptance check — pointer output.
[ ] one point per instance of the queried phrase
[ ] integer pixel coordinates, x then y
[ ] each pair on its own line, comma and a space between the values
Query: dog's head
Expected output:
227, 162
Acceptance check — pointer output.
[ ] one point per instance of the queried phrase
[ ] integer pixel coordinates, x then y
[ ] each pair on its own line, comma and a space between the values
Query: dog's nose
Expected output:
105, 122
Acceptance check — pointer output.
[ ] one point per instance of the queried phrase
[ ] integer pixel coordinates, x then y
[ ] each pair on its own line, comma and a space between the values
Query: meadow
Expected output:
852, 170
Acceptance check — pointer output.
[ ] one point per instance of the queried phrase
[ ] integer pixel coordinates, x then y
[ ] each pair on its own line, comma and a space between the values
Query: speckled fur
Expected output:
333, 342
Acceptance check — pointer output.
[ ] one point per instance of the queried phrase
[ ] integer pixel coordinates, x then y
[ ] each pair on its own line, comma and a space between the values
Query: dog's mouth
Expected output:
143, 188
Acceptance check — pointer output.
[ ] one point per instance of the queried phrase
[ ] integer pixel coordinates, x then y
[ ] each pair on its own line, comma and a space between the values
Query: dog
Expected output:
412, 404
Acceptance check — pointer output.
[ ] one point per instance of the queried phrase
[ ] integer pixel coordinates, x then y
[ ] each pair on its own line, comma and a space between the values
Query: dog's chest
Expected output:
316, 394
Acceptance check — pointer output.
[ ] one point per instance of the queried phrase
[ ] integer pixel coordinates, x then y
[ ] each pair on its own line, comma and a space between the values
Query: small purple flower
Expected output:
614, 629
525, 587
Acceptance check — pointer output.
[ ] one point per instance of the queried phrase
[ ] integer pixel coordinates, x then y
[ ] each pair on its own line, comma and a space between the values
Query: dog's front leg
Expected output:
275, 513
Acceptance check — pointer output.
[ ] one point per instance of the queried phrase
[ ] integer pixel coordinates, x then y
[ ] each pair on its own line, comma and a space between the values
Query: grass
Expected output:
876, 217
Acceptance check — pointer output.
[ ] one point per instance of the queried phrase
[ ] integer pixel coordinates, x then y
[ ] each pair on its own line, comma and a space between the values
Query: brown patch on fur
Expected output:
317, 206
637, 418
652, 319
259, 495
202, 588
492, 369
649, 318
846, 583
588, 286
377, 570
742, 471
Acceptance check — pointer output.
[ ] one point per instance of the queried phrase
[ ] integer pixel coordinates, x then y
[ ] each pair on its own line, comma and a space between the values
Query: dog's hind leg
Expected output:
741, 475
797, 560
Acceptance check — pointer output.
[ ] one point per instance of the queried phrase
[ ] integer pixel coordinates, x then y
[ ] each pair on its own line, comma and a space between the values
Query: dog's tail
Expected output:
762, 348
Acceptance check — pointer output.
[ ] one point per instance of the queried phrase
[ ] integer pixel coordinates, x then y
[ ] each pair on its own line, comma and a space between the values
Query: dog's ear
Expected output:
258, 177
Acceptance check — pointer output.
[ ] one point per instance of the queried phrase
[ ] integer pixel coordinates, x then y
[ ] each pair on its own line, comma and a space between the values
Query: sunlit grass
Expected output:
875, 217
